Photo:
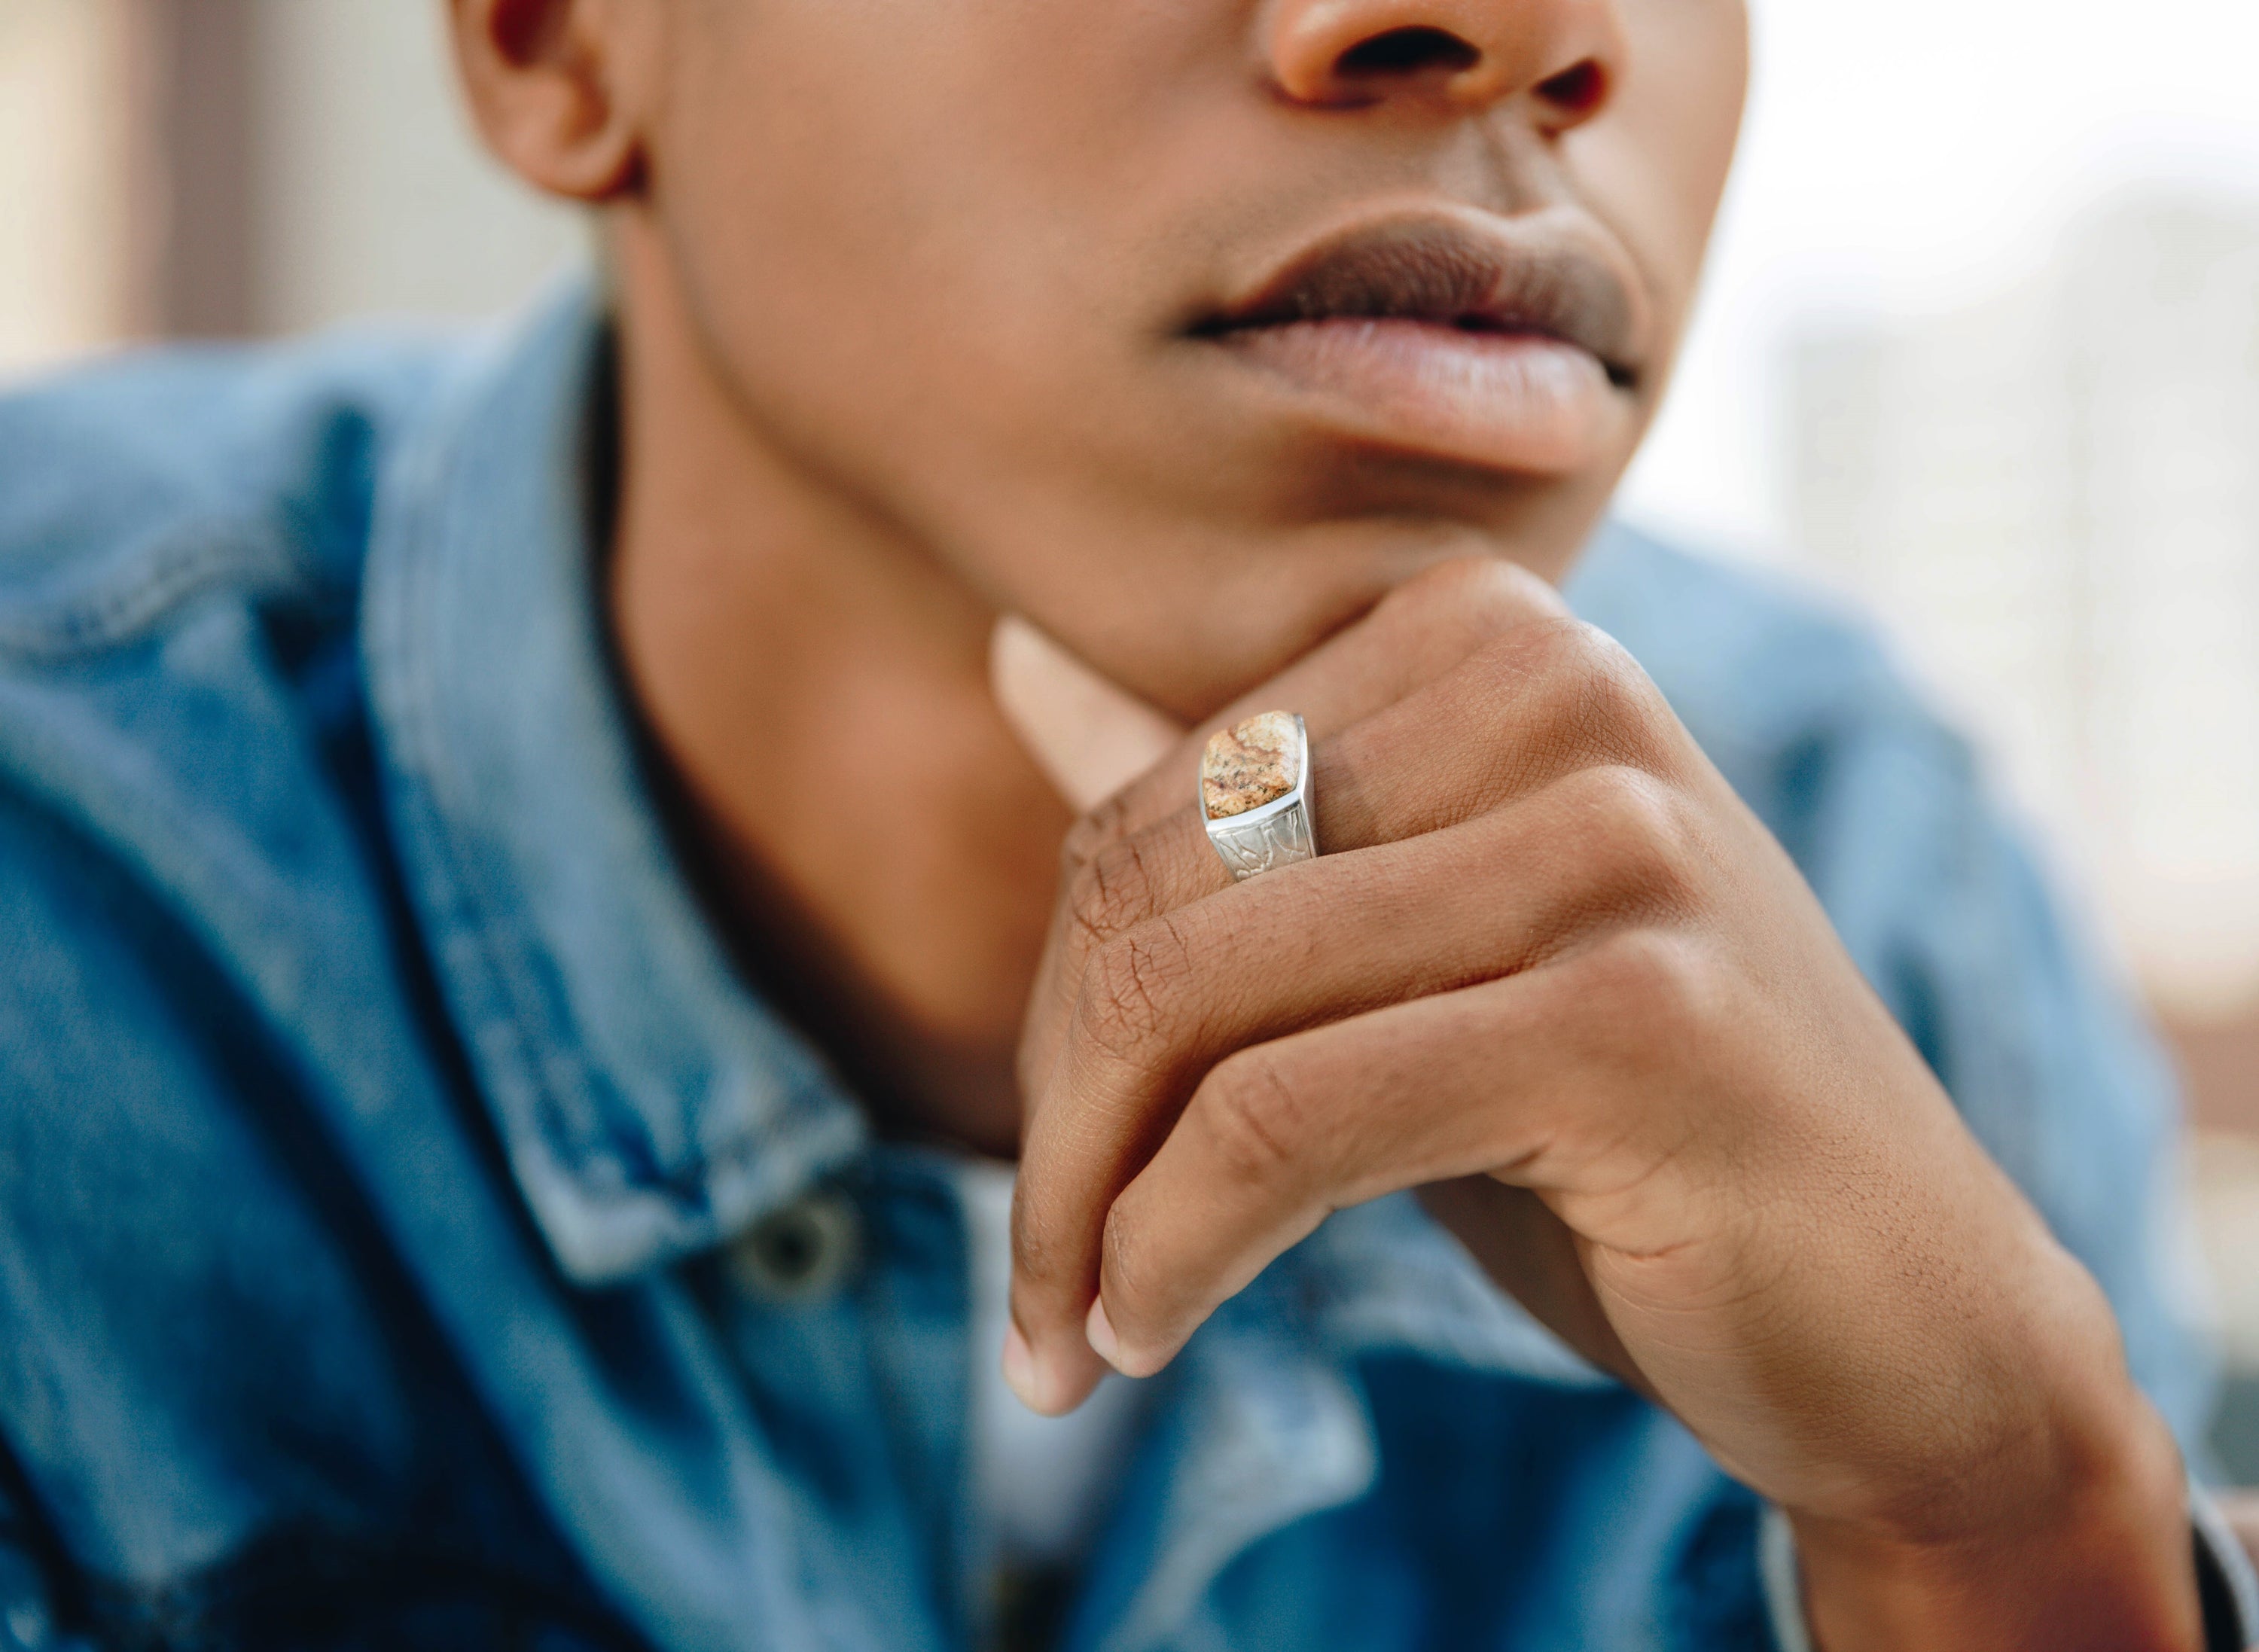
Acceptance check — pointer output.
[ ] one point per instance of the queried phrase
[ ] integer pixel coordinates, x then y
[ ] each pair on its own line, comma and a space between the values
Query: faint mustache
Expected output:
1501, 279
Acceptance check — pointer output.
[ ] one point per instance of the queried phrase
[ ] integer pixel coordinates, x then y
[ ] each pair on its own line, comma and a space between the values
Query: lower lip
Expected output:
1517, 402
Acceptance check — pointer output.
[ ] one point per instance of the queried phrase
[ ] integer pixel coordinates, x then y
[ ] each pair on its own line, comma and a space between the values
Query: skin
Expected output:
909, 297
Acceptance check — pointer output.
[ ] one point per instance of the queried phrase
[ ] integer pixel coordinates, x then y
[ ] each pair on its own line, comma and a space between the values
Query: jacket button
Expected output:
799, 1252
28, 1627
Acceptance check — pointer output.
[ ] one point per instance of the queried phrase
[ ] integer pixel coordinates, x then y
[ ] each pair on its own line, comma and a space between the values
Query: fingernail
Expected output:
1019, 1368
1100, 1331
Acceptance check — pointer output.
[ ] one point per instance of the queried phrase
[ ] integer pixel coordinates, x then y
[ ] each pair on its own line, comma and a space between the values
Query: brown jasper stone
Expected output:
1249, 764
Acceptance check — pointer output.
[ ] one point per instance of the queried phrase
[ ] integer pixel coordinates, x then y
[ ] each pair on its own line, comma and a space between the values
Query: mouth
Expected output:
1505, 344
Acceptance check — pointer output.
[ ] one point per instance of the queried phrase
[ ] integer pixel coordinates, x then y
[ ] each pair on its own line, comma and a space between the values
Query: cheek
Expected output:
1655, 168
918, 277
808, 239
893, 220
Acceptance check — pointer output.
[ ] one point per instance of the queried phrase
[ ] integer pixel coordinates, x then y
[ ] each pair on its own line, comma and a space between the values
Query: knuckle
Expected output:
1592, 693
1665, 984
1112, 890
1092, 833
1122, 1250
1605, 670
1549, 648
1637, 828
1626, 711
1132, 982
1534, 661
1037, 1249
1257, 1117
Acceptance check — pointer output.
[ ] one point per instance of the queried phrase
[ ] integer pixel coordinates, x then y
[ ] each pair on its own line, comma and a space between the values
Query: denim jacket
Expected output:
414, 1233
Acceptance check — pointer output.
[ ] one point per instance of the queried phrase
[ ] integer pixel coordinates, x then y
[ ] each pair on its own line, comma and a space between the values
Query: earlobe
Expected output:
556, 89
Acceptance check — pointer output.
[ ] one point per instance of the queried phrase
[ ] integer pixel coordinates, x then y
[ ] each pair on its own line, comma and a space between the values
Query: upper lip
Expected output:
1471, 271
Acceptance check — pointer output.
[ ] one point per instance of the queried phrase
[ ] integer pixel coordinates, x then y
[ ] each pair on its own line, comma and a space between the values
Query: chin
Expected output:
1195, 616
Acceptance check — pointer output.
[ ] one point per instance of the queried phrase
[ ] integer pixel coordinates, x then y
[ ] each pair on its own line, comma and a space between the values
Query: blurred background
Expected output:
1980, 350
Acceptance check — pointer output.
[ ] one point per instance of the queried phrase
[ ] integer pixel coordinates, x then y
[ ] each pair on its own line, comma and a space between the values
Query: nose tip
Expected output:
1469, 54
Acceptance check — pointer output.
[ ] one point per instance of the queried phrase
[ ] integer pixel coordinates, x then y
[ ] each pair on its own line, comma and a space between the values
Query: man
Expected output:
523, 907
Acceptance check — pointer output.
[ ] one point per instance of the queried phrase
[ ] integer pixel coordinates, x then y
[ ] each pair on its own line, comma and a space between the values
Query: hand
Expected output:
1550, 970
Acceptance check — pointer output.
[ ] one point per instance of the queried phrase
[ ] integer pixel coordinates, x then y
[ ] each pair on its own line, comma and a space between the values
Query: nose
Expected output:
1562, 55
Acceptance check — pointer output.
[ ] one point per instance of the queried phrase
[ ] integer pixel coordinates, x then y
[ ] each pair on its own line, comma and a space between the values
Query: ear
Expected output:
562, 90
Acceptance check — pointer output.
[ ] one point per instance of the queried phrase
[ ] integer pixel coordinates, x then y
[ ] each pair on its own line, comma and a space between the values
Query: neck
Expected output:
879, 847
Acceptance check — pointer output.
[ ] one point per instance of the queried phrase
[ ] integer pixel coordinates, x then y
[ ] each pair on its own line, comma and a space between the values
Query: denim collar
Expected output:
649, 1105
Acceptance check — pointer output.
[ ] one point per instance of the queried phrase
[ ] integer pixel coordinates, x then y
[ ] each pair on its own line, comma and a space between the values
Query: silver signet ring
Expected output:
1255, 793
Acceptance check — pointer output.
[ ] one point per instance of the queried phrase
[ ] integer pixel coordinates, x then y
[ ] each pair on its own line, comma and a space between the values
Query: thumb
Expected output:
1089, 738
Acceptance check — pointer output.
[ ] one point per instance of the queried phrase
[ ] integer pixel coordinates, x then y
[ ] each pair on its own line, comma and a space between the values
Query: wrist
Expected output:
2091, 1551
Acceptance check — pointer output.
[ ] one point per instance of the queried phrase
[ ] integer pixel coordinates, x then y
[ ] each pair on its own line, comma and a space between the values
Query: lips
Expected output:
1501, 343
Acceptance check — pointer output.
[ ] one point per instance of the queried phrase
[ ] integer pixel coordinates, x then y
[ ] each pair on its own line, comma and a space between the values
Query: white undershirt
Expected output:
1043, 1482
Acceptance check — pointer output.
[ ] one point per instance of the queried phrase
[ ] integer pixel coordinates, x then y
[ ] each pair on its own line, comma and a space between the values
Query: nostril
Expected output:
1575, 91
1407, 52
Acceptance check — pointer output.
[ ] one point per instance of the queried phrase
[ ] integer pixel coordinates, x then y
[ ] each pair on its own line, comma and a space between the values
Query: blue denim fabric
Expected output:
380, 1112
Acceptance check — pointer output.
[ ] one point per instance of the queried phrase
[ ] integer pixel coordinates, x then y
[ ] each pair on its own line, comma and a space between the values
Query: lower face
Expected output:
1051, 288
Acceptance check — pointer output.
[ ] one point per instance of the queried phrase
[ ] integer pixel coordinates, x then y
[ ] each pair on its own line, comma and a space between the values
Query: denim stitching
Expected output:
125, 602
514, 1018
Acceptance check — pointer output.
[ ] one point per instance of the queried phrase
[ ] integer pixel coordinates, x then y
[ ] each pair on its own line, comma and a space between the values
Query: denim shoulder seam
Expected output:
128, 594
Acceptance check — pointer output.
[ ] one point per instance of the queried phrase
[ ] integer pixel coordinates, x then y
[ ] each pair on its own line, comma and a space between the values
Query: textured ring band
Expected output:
1255, 794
